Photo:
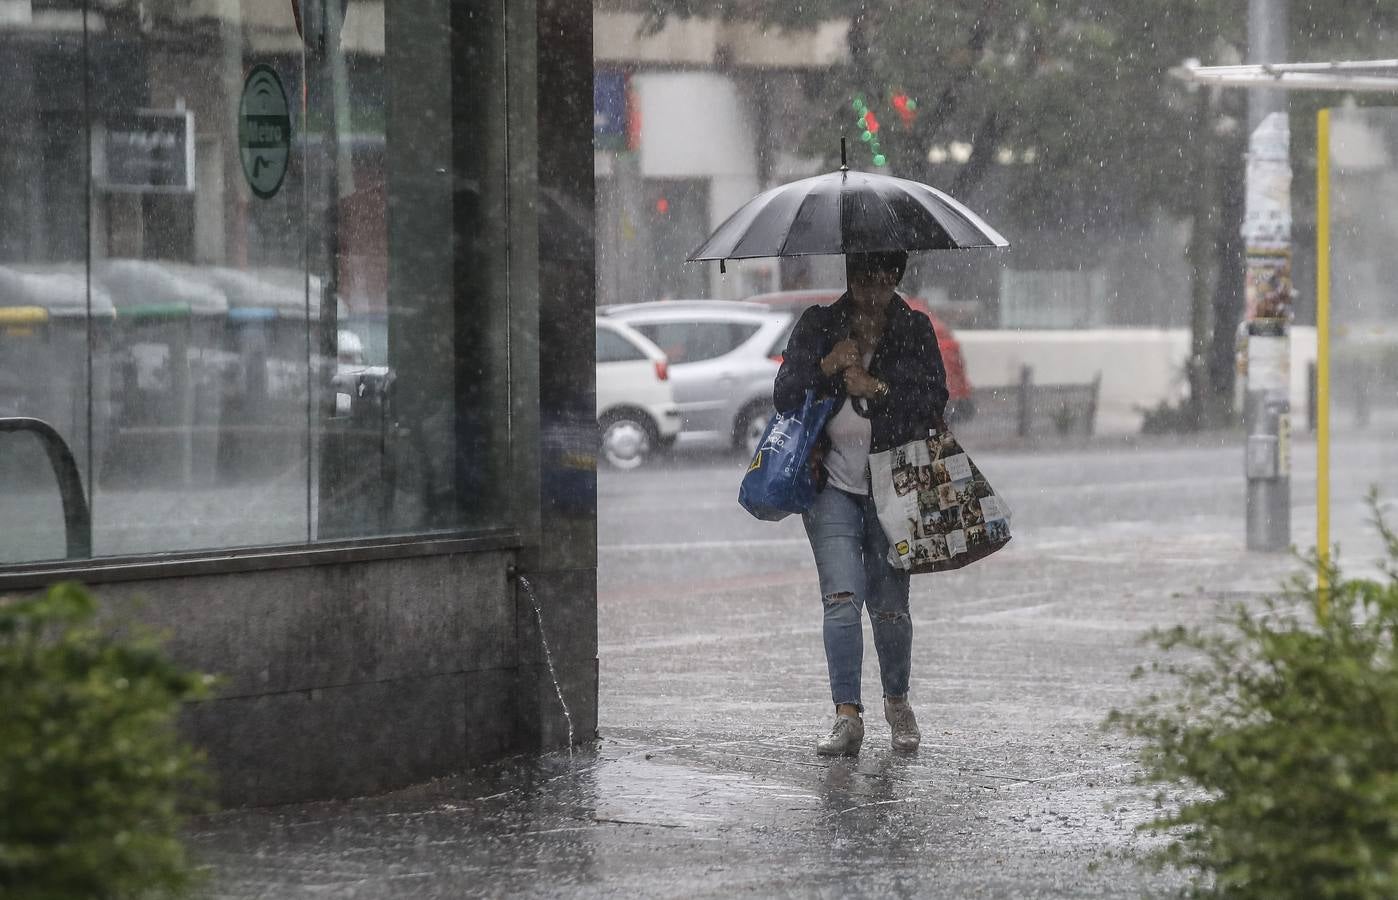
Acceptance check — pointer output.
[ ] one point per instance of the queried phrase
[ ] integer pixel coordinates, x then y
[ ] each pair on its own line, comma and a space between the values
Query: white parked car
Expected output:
636, 410
724, 356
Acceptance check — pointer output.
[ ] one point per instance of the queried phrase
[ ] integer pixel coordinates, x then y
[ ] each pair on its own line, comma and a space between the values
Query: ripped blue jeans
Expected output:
850, 554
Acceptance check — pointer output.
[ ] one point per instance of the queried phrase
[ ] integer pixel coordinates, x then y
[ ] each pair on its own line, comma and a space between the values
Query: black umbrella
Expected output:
847, 212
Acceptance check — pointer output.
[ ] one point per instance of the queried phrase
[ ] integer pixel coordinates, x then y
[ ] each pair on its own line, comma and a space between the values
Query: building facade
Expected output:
692, 121
305, 288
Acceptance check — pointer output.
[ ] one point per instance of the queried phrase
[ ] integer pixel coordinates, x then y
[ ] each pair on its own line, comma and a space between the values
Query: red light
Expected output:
905, 112
662, 370
777, 358
871, 123
662, 206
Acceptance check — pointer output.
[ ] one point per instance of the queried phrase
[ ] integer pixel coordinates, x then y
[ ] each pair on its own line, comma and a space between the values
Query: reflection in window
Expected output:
234, 368
29, 494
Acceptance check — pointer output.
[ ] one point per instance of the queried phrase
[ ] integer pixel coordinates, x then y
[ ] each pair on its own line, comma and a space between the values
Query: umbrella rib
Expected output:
769, 210
890, 192
791, 223
971, 218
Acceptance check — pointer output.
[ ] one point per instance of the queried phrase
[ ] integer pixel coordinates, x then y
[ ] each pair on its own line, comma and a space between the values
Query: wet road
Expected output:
704, 782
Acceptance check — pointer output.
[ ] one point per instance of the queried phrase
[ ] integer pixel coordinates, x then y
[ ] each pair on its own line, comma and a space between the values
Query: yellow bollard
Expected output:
1322, 362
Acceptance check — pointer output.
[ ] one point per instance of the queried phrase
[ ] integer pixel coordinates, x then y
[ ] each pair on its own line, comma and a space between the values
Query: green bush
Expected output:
94, 781
1275, 751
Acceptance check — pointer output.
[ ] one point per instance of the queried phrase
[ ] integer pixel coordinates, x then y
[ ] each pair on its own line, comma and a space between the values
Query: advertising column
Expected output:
1267, 411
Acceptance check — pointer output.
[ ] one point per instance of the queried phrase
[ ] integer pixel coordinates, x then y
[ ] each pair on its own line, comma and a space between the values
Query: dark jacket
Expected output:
907, 359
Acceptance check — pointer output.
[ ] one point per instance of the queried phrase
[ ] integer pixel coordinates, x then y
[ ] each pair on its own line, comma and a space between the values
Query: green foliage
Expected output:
1168, 418
94, 780
1277, 745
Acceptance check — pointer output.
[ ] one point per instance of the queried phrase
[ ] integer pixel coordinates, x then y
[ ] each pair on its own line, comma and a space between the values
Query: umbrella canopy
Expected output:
847, 212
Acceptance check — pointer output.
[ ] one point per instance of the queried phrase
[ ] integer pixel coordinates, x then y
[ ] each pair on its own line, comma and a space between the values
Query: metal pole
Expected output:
1201, 240
1026, 378
327, 445
1322, 358
1267, 43
1267, 235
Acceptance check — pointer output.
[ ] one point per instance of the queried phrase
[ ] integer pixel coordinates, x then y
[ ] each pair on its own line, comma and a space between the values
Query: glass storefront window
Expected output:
251, 270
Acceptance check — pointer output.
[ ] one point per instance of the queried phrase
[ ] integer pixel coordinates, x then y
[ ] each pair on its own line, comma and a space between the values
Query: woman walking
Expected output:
879, 360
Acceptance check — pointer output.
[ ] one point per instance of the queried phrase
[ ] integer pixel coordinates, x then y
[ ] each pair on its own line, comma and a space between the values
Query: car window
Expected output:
612, 347
695, 341
779, 345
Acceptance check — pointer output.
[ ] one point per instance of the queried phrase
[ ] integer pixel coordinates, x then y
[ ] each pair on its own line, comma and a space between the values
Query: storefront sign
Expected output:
264, 131
148, 151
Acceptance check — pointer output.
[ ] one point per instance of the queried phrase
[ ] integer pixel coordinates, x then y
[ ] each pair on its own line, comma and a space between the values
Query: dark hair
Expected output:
895, 261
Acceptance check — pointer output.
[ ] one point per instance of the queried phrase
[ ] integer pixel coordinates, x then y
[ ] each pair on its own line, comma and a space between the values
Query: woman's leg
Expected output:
834, 525
887, 601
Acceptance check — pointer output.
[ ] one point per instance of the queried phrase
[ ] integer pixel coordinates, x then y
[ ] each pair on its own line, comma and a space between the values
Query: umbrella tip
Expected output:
844, 163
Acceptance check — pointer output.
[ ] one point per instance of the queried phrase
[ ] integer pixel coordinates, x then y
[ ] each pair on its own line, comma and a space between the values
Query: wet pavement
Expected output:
704, 782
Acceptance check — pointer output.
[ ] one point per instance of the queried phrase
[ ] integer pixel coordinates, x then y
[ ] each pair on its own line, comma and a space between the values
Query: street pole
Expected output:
1201, 241
1267, 236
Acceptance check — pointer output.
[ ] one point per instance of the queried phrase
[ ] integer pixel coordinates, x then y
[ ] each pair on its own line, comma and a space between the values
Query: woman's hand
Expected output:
859, 383
844, 355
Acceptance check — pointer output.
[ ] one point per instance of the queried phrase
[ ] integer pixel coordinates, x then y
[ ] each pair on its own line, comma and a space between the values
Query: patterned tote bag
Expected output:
936, 507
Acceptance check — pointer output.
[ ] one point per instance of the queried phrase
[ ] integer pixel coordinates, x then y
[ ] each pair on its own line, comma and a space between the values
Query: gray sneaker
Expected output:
903, 723
845, 738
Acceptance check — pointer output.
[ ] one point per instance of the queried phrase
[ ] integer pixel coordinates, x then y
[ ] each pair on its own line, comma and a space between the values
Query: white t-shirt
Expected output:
847, 462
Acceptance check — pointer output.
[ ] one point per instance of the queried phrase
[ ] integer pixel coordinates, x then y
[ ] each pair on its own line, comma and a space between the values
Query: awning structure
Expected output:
1375, 75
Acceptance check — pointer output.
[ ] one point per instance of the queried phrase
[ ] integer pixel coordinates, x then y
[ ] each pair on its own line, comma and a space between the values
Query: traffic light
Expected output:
868, 125
906, 107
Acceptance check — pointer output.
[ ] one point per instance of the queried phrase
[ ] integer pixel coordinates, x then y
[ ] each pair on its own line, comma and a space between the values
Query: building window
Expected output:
238, 359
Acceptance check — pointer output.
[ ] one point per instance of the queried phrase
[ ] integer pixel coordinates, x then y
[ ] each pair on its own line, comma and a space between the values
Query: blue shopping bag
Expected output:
779, 481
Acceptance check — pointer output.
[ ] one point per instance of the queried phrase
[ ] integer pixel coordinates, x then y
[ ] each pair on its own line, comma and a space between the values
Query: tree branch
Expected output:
951, 95
984, 142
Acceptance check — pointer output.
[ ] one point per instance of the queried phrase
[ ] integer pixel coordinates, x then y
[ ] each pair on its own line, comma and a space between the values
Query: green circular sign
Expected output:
264, 131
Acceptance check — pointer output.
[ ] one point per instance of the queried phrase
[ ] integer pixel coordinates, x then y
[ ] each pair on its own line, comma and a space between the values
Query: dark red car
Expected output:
959, 407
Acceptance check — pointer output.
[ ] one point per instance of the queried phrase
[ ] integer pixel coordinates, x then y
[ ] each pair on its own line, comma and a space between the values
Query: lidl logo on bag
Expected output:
902, 548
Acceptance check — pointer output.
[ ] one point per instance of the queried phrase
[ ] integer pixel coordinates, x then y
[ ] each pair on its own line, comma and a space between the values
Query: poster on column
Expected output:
1268, 284
1269, 365
1267, 224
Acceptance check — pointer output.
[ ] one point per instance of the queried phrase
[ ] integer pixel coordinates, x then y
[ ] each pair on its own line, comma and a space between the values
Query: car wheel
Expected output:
628, 439
751, 425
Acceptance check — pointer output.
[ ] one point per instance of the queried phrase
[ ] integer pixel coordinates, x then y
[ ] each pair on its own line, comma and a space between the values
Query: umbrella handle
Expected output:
844, 164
